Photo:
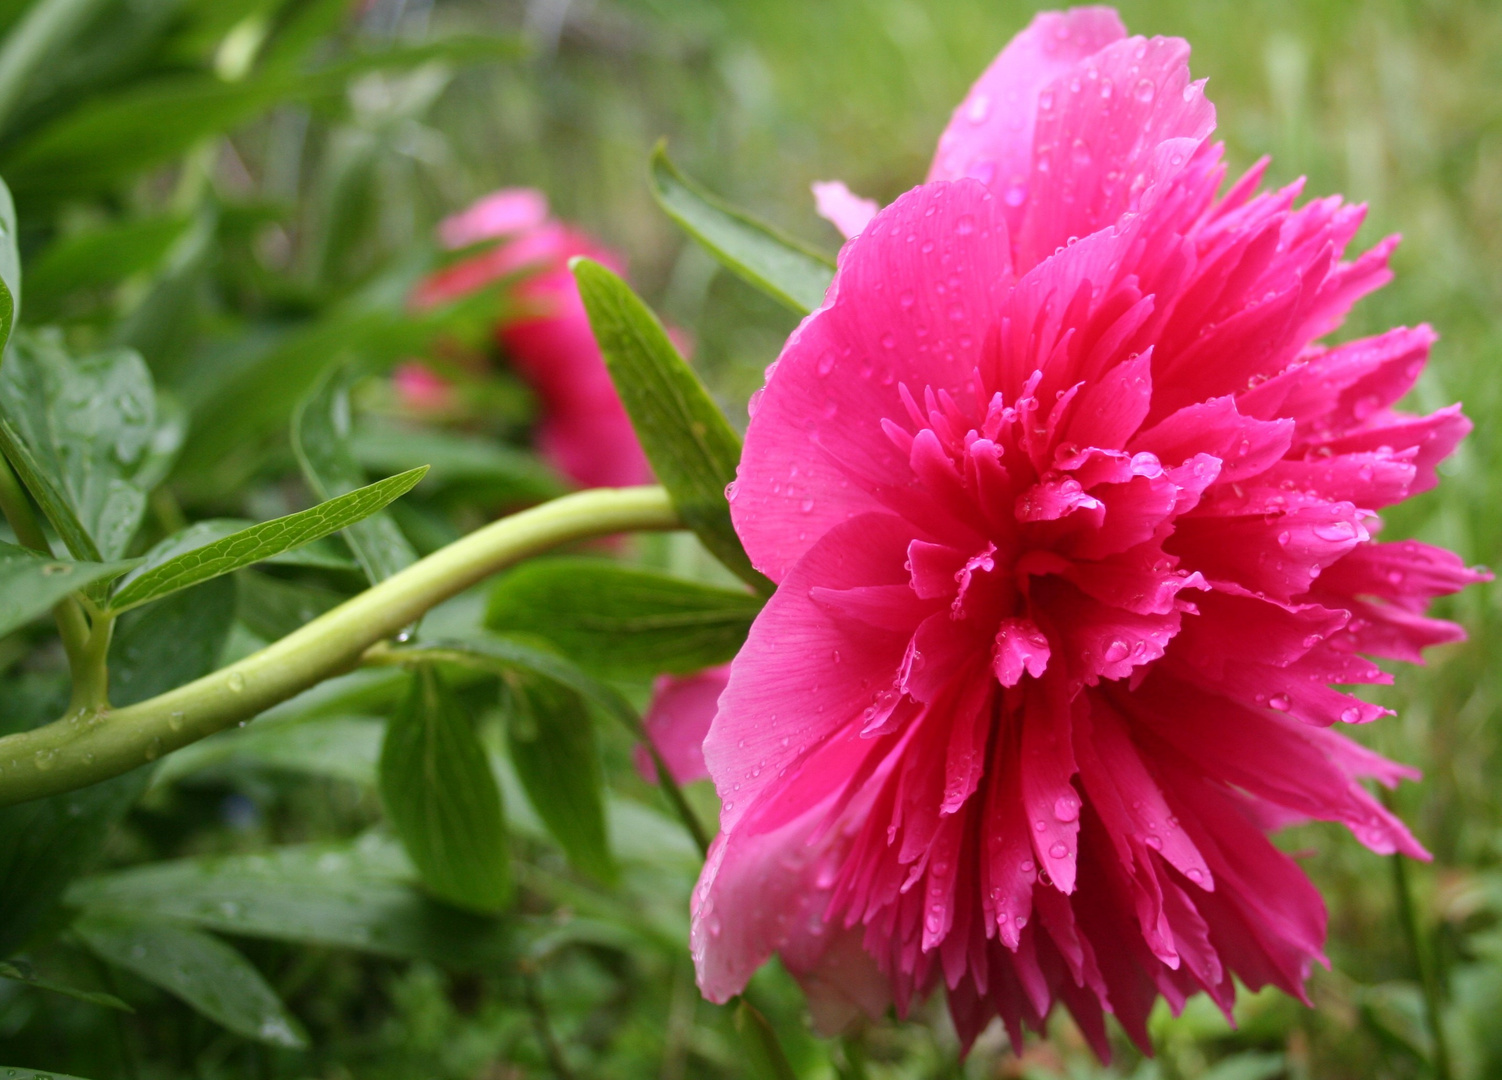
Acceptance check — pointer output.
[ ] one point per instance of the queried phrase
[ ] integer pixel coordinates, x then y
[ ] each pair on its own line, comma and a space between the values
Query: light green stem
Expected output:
80, 750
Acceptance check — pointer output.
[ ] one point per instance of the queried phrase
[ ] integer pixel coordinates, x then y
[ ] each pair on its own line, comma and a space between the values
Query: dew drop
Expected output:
235, 682
1336, 532
888, 341
754, 401
979, 109
1194, 873
731, 490
1066, 808
1058, 851
1281, 702
1154, 841
1351, 715
826, 364
965, 225
1117, 650
175, 720
1040, 825
45, 759
1145, 91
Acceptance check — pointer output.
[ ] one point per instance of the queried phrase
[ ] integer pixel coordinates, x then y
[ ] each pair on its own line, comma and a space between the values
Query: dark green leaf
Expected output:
272, 608
168, 573
442, 798
31, 583
621, 621
320, 435
764, 1056
691, 446
552, 744
203, 971
356, 896
32, 1074
86, 438
22, 973
767, 258
44, 844
35, 41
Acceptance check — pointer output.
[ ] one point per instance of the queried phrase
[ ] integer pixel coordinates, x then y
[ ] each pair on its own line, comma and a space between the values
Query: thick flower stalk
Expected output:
1073, 523
583, 429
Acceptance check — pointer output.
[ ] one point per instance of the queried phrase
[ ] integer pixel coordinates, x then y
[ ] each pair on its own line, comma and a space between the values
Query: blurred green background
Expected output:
263, 194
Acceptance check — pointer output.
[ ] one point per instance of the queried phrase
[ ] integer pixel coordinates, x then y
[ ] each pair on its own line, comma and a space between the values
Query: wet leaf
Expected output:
206, 973
166, 572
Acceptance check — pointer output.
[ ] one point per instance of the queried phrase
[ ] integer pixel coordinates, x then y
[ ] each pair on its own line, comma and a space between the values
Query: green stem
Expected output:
91, 676
72, 753
71, 623
1428, 981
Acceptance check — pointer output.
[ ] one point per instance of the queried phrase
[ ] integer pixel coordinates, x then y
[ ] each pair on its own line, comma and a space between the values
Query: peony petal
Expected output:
842, 208
677, 720
900, 311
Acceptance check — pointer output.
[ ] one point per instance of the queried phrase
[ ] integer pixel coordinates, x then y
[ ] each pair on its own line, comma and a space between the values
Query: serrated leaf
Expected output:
206, 973
357, 896
621, 621
22, 973
692, 447
259, 542
85, 437
45, 843
770, 260
320, 436
442, 798
31, 583
552, 744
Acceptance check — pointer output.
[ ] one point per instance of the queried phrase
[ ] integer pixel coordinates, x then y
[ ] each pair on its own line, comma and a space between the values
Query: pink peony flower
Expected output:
584, 429
1073, 529
677, 720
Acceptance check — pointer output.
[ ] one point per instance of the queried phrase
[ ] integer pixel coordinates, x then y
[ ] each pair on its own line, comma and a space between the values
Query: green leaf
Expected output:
85, 437
480, 469
764, 1056
770, 260
33, 42
98, 258
356, 896
203, 971
619, 621
552, 745
111, 137
503, 655
271, 608
31, 1074
45, 843
342, 747
320, 435
442, 798
21, 972
691, 446
31, 583
168, 573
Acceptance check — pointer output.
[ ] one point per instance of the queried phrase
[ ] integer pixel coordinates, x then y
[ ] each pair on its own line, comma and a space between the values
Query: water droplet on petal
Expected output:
1351, 715
1058, 851
1281, 702
1066, 808
1116, 651
1145, 91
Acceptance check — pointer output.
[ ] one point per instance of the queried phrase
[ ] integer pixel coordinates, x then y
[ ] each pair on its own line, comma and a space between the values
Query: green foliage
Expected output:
31, 583
443, 801
693, 450
21, 972
785, 269
619, 621
320, 435
197, 967
86, 438
553, 749
172, 565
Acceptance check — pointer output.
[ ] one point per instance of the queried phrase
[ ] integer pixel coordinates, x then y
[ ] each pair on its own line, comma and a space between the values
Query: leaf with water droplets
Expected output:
620, 621
166, 571
692, 447
783, 268
86, 437
203, 971
31, 583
